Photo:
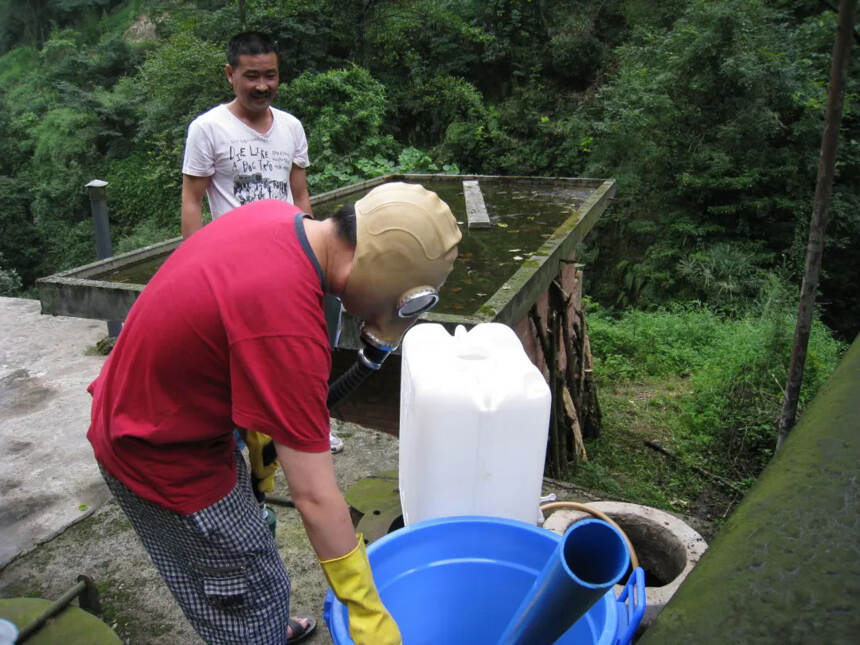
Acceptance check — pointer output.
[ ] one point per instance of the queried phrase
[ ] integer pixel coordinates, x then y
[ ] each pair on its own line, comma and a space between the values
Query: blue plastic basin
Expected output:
460, 579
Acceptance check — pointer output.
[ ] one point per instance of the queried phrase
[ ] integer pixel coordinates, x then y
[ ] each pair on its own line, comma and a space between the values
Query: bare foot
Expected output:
300, 625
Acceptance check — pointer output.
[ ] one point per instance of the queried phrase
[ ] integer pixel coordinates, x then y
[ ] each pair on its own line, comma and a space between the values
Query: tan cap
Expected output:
406, 244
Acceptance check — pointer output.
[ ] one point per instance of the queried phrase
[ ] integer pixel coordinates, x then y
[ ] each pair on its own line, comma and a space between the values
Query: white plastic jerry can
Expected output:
474, 419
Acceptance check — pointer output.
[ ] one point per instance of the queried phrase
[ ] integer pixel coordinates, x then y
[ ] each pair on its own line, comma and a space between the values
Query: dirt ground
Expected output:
135, 600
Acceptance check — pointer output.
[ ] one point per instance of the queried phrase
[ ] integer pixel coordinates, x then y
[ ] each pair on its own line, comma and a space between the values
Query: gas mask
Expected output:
406, 244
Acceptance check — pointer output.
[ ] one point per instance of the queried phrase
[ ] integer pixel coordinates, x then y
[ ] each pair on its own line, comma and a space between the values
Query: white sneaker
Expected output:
335, 442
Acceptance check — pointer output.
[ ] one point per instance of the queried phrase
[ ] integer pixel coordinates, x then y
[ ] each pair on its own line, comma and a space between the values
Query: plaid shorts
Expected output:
220, 563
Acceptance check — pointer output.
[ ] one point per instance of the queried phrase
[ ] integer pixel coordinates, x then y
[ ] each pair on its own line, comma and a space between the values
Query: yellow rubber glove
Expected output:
352, 582
264, 462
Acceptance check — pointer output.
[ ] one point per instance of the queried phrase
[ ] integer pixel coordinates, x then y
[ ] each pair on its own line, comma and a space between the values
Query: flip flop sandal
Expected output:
301, 633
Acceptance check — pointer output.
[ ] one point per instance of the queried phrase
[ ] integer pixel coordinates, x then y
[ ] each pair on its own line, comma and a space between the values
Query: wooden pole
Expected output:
818, 221
560, 391
554, 382
242, 13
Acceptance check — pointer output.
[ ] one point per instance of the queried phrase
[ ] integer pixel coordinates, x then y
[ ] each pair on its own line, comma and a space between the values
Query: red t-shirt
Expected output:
229, 332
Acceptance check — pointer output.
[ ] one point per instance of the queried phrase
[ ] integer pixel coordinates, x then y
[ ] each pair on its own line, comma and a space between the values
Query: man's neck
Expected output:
259, 121
334, 254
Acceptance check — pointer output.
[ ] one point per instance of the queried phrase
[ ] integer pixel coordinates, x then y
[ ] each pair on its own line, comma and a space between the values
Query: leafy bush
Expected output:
729, 276
143, 193
342, 112
68, 243
712, 129
429, 106
148, 231
20, 246
737, 399
664, 343
479, 144
736, 368
10, 281
181, 79
422, 39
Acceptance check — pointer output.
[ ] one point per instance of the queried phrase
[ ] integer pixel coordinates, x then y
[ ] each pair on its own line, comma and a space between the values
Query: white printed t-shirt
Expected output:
245, 166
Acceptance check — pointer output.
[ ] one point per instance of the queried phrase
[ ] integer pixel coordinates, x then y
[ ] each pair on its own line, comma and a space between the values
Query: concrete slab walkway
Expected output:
48, 478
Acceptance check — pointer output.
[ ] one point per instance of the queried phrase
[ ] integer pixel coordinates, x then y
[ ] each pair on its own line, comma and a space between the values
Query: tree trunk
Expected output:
818, 221
242, 12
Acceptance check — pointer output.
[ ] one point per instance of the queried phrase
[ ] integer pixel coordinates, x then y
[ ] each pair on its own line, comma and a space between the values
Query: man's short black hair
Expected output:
251, 43
344, 217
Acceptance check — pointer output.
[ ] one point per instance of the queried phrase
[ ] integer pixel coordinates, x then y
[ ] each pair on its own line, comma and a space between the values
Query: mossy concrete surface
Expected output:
72, 625
785, 567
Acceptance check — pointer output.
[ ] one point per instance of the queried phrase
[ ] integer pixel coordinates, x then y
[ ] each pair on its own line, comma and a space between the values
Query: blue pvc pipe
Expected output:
589, 559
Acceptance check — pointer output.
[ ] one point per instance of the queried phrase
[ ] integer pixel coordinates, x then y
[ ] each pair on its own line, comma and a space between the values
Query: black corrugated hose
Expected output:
369, 360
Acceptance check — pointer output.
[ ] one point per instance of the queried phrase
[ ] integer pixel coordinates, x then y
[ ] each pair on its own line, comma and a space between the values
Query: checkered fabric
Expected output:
221, 563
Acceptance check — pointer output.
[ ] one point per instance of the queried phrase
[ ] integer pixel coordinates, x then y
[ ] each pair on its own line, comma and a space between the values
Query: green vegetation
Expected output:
704, 387
708, 114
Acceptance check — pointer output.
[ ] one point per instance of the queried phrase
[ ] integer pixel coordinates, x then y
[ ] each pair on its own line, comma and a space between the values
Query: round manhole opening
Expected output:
661, 553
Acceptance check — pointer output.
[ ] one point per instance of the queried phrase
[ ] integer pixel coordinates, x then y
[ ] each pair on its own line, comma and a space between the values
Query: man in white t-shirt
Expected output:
245, 150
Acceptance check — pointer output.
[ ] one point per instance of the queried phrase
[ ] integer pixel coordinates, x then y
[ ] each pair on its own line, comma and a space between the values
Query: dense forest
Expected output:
709, 114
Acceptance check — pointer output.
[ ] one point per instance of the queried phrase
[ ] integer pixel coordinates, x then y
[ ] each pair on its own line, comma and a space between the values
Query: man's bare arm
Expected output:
193, 190
299, 188
315, 493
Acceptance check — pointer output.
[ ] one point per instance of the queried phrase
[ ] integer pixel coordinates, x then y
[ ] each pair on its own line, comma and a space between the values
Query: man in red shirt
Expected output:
231, 332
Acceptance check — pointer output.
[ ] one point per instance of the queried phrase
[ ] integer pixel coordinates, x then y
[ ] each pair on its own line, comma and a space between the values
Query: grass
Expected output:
622, 465
705, 388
